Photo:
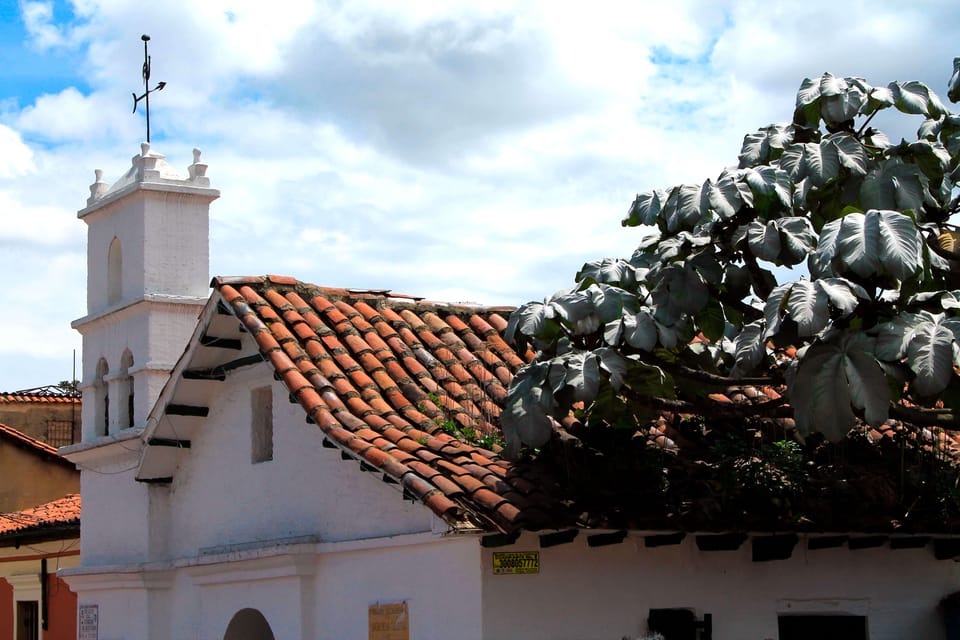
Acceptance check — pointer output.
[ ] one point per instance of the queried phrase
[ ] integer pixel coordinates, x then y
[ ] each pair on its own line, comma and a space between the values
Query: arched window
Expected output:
248, 624
126, 390
114, 272
102, 411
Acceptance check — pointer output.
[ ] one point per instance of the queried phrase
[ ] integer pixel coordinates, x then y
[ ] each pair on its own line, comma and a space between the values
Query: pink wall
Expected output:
6, 610
61, 611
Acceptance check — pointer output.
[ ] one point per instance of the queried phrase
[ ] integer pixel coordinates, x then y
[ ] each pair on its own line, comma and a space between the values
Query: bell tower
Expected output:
147, 279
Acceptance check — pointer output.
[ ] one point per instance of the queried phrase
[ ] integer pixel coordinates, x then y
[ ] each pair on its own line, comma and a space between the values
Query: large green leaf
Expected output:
771, 187
763, 240
811, 305
899, 246
840, 100
750, 348
915, 97
850, 151
765, 145
646, 208
833, 378
723, 196
640, 330
614, 271
820, 163
867, 245
807, 111
894, 184
797, 240
927, 342
525, 419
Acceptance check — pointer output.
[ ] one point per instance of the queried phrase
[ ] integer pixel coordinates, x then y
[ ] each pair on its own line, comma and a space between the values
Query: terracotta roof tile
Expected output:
59, 513
23, 440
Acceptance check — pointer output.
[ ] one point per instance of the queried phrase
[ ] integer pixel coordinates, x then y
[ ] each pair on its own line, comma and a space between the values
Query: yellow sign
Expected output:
389, 621
512, 562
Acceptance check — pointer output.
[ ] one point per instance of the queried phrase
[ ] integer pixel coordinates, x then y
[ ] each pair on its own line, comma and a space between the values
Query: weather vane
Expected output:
146, 84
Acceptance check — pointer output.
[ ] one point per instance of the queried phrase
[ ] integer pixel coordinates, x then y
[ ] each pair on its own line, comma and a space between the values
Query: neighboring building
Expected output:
49, 414
35, 543
281, 460
32, 472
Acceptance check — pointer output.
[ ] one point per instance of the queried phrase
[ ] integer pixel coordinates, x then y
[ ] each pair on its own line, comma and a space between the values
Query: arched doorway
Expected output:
248, 624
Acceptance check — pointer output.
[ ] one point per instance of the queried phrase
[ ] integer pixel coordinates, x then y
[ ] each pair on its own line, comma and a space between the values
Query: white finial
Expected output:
196, 155
144, 149
98, 188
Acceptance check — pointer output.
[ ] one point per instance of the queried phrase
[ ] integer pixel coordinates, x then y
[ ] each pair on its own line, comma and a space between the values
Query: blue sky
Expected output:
434, 148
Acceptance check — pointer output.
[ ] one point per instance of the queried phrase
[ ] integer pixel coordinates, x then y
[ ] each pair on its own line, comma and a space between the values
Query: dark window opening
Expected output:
28, 620
822, 627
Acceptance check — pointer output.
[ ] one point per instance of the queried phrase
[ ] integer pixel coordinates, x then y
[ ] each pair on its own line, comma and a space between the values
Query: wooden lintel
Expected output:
187, 410
499, 540
777, 547
219, 372
603, 539
909, 542
663, 539
721, 541
221, 343
168, 442
548, 540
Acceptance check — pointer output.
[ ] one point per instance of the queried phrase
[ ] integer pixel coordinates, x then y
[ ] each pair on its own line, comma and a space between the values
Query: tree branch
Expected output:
712, 408
709, 378
943, 418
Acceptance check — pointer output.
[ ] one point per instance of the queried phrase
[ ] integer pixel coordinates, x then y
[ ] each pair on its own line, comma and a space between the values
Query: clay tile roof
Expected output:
38, 396
413, 389
408, 387
64, 512
23, 440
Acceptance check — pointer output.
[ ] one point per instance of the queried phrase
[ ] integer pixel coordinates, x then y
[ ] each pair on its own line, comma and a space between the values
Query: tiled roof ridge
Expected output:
384, 380
29, 441
21, 396
379, 297
56, 513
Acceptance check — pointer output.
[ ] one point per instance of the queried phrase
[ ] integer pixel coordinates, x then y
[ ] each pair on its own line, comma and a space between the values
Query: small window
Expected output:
102, 405
822, 627
261, 432
126, 389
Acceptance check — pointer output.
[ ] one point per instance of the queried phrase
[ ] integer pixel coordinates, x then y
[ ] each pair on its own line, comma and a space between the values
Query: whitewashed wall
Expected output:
219, 497
605, 593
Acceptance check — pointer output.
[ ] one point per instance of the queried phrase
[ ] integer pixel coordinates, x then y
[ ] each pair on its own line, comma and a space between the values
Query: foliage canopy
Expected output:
869, 330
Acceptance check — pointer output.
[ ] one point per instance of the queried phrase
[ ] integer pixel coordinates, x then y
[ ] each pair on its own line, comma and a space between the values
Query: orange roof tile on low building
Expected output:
64, 512
23, 440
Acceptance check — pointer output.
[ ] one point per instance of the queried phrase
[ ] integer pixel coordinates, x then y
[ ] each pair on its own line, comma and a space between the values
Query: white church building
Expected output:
265, 458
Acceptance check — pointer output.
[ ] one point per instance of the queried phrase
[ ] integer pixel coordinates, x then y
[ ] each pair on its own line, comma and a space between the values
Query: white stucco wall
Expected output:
602, 593
219, 497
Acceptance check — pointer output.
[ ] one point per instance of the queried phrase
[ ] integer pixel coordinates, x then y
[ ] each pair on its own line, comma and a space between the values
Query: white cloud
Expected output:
16, 158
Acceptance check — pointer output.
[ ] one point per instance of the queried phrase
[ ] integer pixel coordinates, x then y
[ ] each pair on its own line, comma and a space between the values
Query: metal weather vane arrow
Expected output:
146, 84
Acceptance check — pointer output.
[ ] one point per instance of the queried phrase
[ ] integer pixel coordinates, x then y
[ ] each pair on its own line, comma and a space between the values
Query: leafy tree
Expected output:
869, 330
